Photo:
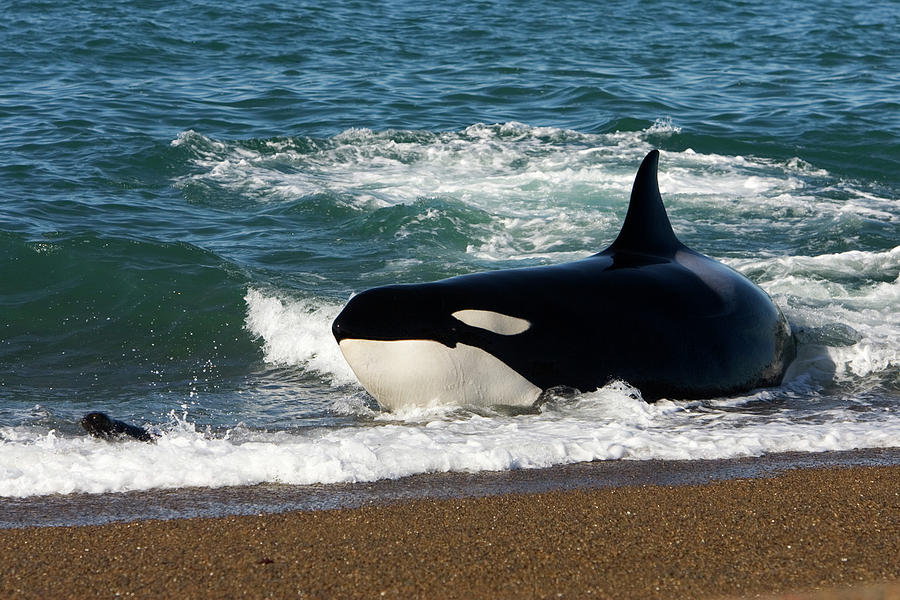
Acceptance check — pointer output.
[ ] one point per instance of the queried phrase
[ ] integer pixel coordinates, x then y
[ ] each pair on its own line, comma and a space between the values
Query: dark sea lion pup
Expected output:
647, 310
100, 425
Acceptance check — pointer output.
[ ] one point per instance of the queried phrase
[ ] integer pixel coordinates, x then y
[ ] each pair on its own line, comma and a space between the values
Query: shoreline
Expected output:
181, 503
834, 526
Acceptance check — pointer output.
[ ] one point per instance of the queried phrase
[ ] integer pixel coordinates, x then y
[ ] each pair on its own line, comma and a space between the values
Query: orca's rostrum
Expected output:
647, 310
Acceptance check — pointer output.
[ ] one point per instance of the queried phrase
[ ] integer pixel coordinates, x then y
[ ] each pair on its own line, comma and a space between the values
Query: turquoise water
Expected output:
190, 192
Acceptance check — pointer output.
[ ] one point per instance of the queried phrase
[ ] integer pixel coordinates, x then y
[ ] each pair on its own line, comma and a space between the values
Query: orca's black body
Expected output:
647, 310
101, 425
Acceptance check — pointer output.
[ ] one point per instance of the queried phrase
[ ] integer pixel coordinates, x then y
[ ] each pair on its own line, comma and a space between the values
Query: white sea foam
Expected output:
297, 332
480, 165
511, 168
851, 300
854, 263
547, 191
606, 425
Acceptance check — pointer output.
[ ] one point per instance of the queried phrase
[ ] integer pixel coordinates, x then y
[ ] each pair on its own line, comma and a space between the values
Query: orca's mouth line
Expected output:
449, 332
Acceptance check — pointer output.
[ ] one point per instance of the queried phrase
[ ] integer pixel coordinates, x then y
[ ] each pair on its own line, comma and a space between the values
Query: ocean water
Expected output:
189, 192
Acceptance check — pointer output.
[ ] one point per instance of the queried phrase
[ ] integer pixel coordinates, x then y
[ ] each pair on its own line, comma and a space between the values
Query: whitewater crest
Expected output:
609, 424
546, 192
297, 332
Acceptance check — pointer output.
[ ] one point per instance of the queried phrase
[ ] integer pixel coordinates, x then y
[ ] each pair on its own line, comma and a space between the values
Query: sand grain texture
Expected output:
804, 530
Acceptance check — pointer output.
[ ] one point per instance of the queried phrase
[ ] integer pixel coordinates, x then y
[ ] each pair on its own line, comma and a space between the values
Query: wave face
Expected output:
189, 195
225, 350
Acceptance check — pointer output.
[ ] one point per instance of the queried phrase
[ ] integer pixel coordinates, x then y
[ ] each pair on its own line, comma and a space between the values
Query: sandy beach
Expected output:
827, 529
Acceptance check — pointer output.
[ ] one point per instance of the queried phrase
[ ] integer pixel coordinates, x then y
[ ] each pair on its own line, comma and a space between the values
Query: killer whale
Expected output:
647, 310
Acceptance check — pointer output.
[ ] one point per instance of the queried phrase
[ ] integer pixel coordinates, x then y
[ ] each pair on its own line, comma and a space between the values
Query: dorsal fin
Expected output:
646, 229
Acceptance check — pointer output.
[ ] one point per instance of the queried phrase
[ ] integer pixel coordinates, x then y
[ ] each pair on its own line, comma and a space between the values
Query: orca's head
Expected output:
424, 344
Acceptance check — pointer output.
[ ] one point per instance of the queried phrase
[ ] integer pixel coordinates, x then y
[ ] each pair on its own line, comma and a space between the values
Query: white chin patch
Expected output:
492, 321
425, 373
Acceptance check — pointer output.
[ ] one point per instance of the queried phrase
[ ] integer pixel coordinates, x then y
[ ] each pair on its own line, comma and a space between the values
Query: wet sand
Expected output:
834, 528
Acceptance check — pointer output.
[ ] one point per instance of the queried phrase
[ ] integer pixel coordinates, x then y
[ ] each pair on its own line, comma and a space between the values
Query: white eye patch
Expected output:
492, 321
